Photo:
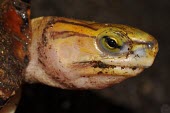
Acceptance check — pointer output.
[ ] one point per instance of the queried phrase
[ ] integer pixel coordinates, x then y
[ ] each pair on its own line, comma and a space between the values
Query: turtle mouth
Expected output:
102, 65
103, 69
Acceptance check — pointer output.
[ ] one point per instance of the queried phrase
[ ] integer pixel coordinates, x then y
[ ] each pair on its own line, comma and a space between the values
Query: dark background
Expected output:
147, 93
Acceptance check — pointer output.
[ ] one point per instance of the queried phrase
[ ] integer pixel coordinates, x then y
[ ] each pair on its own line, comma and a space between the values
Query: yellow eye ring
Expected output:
111, 41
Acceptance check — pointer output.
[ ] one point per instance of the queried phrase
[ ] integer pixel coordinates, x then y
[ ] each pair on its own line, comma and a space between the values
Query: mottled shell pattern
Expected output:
14, 40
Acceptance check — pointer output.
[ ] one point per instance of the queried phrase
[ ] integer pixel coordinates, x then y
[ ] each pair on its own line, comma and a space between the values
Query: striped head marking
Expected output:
89, 55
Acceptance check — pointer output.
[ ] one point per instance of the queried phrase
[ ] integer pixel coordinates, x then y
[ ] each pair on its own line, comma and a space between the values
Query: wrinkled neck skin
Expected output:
74, 54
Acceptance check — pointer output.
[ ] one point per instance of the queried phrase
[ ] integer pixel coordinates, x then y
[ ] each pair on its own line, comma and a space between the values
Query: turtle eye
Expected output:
111, 43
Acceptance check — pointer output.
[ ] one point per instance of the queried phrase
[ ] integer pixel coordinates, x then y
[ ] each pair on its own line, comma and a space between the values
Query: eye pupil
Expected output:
111, 42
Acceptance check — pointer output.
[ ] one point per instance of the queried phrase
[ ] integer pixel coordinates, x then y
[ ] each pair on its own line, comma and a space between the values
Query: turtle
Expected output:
66, 53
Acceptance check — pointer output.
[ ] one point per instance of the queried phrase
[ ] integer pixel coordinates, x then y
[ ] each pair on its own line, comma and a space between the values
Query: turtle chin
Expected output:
96, 75
102, 78
96, 82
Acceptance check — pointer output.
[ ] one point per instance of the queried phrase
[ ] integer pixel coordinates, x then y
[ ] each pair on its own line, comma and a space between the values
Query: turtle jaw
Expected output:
95, 68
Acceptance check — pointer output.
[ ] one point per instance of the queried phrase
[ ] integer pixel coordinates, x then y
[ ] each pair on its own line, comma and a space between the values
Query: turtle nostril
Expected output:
150, 45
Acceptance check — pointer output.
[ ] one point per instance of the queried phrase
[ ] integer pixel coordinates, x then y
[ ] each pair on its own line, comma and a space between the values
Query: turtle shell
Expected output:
14, 42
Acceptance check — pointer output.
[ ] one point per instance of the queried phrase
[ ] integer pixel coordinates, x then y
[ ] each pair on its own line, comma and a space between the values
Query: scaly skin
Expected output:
66, 53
